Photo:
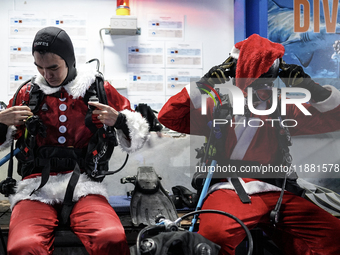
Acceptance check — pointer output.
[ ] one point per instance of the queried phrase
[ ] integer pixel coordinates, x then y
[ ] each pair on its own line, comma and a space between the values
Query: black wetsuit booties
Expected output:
57, 41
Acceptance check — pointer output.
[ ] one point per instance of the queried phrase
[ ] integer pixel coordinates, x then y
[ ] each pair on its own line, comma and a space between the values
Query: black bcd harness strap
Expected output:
68, 199
242, 194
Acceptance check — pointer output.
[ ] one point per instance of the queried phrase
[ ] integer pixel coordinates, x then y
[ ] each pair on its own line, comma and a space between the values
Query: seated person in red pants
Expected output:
302, 227
66, 140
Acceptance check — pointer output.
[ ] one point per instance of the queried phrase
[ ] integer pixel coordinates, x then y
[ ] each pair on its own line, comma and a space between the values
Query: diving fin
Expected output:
322, 197
149, 198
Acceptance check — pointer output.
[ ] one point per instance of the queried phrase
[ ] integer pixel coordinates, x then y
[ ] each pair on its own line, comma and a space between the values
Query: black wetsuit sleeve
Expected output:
121, 124
318, 93
3, 132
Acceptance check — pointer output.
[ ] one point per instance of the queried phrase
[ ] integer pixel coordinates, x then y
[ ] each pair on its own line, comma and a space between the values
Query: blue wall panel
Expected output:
250, 17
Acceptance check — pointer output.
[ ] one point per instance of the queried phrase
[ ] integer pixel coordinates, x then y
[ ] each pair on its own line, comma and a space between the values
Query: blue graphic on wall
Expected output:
317, 52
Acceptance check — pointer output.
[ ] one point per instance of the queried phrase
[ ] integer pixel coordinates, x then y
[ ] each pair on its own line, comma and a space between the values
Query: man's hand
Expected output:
292, 75
106, 114
15, 115
150, 116
218, 74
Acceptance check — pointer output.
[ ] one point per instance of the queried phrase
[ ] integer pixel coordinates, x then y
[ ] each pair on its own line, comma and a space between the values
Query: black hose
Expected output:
250, 239
116, 171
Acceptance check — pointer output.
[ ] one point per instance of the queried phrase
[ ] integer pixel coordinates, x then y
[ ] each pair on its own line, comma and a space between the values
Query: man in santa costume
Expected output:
302, 227
56, 156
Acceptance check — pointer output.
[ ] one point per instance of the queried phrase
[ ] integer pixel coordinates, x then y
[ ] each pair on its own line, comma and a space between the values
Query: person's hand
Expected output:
218, 74
150, 116
15, 115
292, 75
106, 114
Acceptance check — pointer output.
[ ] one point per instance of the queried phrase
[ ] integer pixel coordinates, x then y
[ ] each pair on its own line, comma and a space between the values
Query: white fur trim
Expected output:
41, 82
252, 187
330, 103
9, 137
235, 52
54, 190
138, 131
76, 88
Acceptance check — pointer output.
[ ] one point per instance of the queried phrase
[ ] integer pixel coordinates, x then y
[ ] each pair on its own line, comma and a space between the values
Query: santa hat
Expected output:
255, 55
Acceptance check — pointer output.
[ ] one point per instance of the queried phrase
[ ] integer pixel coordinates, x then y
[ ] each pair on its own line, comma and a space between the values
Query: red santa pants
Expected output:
304, 228
92, 219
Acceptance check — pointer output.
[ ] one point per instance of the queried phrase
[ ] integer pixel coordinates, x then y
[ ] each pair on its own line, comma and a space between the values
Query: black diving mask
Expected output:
263, 92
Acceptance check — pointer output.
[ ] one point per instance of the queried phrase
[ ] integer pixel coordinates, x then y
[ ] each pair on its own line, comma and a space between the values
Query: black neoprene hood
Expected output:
57, 41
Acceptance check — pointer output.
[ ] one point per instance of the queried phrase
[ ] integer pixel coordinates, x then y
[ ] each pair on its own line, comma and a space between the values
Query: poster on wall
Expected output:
145, 54
145, 81
80, 51
20, 52
183, 55
165, 27
310, 33
26, 24
177, 79
74, 24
